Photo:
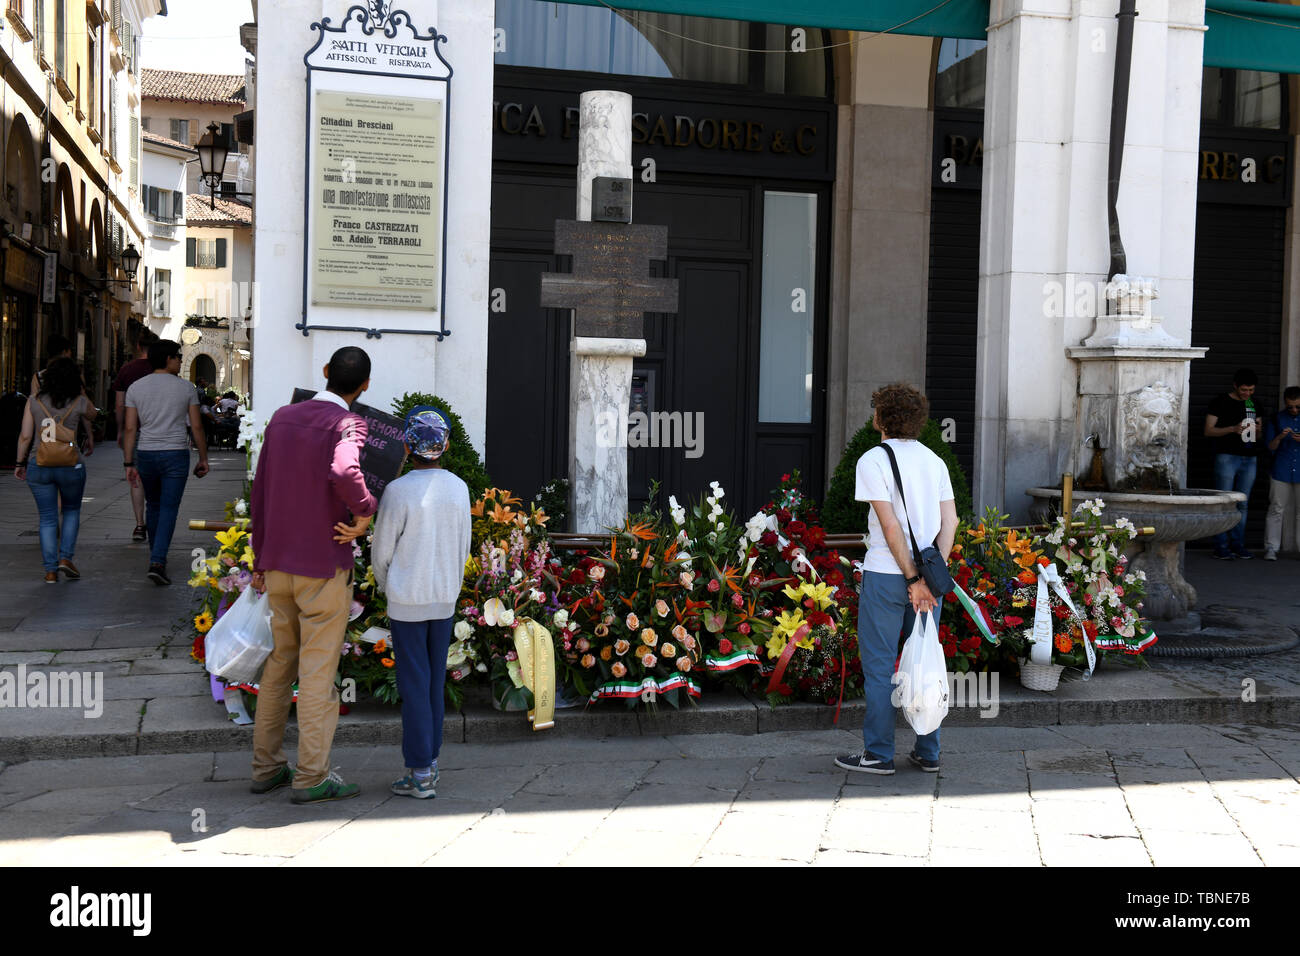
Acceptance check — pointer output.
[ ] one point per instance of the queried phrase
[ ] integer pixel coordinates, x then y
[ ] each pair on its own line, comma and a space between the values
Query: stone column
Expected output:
1044, 249
600, 369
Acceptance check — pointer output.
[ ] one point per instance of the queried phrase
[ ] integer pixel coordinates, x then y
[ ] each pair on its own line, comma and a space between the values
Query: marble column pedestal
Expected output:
600, 386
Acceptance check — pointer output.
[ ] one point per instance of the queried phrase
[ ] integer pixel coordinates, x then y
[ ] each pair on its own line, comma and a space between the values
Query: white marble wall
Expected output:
455, 368
1047, 117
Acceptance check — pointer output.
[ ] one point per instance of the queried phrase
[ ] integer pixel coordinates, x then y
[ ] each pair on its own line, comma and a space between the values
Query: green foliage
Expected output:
554, 500
462, 460
841, 514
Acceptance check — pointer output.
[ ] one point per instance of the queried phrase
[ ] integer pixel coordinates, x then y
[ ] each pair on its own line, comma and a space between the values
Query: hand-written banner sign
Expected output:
377, 187
385, 448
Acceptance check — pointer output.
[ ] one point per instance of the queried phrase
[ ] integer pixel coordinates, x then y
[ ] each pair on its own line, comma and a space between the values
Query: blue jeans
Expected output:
1234, 473
884, 613
163, 475
49, 487
421, 652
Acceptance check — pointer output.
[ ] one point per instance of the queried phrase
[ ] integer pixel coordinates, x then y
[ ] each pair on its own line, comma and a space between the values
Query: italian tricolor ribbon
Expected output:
974, 612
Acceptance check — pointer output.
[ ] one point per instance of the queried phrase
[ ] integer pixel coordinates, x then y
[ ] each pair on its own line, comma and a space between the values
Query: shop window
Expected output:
785, 370
1246, 99
959, 75
561, 36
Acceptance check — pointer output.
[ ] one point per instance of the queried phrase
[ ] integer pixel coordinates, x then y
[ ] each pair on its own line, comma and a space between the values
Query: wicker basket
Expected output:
1040, 676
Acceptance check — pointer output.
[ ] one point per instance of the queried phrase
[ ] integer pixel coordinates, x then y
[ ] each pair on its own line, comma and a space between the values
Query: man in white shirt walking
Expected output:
893, 591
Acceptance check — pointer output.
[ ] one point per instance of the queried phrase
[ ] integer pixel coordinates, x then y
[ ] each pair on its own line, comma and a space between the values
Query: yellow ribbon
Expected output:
537, 667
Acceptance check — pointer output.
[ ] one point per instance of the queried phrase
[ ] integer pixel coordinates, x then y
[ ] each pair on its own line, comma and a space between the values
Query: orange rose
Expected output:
587, 661
618, 669
621, 647
683, 664
649, 638
679, 632
668, 651
606, 652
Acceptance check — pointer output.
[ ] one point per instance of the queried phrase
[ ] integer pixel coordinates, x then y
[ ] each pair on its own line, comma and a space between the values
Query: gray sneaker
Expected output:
413, 786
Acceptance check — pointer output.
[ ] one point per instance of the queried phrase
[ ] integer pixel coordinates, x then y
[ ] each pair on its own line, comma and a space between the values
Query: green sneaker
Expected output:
281, 778
413, 786
331, 788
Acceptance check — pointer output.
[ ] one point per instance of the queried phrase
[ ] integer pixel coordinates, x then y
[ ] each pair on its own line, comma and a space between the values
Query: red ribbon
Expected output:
783, 661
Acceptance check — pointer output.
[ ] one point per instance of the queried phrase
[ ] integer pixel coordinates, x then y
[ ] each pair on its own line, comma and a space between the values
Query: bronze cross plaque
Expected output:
610, 288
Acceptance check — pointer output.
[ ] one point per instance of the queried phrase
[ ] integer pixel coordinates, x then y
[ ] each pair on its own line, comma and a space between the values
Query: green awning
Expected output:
1242, 34
1250, 35
963, 19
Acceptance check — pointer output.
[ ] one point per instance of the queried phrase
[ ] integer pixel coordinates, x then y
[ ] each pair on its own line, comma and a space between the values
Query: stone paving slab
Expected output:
707, 800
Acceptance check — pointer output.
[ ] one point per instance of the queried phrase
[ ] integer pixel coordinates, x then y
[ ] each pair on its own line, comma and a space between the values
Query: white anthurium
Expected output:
456, 655
493, 608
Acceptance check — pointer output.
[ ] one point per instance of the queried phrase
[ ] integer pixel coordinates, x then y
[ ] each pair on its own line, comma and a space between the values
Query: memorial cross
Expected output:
609, 288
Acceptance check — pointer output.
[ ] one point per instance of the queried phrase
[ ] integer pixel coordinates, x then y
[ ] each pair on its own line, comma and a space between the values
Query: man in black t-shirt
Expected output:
1231, 422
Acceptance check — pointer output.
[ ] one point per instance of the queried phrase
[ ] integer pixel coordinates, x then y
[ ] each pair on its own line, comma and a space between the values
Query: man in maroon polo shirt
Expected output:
131, 373
309, 502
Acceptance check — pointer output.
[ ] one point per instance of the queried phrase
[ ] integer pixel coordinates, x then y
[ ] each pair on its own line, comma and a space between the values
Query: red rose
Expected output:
724, 646
737, 600
949, 650
951, 597
783, 516
797, 529
767, 539
744, 627
714, 586
970, 645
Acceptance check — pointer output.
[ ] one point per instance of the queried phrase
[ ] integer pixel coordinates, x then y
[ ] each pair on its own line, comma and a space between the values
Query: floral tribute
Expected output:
671, 604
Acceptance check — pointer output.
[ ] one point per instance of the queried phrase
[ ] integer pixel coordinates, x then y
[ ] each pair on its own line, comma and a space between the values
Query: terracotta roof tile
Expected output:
229, 212
192, 87
153, 137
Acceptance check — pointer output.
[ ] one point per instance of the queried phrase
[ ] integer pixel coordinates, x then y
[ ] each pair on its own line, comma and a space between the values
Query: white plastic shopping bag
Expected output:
921, 682
239, 644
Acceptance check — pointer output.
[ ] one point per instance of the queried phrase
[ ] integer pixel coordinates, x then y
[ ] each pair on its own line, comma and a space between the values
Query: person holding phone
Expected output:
1232, 422
159, 409
1282, 436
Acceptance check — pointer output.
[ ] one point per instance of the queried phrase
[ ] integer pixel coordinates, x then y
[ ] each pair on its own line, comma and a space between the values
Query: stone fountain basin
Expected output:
1183, 515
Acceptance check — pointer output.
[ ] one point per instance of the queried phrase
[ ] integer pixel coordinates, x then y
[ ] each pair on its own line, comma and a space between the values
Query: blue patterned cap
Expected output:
427, 432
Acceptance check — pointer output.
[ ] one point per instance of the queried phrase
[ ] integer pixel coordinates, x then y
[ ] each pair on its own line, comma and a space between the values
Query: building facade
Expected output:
899, 193
71, 170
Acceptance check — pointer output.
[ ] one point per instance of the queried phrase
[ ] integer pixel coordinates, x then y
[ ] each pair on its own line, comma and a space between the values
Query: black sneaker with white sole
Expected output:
929, 766
158, 575
865, 763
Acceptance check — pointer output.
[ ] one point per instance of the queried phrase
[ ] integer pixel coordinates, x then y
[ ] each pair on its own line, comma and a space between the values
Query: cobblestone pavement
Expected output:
1131, 795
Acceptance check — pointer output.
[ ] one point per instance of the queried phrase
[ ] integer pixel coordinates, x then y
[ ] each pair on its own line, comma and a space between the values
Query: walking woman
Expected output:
51, 464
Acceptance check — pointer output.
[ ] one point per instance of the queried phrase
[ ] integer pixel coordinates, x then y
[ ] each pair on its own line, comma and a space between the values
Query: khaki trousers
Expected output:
309, 617
1281, 494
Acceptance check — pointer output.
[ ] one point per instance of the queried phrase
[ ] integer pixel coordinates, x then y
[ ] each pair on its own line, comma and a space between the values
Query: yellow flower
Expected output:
229, 539
822, 594
787, 623
203, 622
776, 644
247, 557
214, 564
471, 568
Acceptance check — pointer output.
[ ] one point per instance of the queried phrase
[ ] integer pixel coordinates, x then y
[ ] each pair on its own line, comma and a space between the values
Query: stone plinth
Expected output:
600, 387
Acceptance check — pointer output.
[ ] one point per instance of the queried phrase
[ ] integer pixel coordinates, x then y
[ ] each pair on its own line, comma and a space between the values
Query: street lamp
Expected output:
130, 263
212, 161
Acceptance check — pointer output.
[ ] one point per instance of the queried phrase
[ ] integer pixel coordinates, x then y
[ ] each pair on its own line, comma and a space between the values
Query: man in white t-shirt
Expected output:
893, 592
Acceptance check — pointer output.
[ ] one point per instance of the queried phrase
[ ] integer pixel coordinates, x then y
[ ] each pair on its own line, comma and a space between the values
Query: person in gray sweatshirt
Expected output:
420, 545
